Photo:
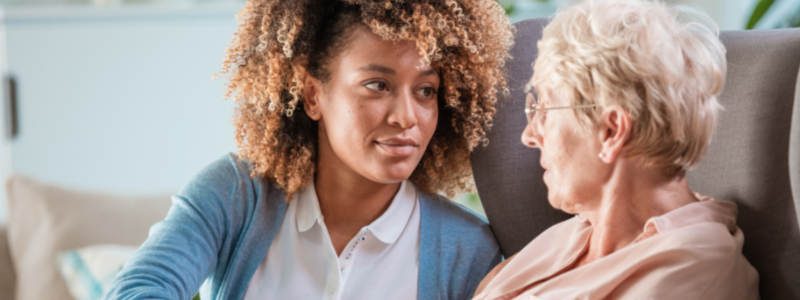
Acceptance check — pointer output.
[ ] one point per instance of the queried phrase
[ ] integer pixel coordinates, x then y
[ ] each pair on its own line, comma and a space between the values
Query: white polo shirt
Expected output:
380, 262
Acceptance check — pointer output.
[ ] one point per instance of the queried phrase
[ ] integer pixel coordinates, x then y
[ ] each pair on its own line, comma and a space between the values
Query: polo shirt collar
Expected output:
387, 228
308, 211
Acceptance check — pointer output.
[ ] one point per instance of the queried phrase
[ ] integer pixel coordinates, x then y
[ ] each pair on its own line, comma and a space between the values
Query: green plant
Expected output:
508, 5
761, 8
791, 17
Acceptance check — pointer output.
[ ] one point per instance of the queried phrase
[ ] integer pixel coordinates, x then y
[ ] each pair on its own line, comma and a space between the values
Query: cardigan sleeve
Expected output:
457, 249
487, 255
182, 250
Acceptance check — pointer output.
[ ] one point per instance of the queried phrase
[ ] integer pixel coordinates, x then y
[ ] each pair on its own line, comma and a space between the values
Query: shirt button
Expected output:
331, 290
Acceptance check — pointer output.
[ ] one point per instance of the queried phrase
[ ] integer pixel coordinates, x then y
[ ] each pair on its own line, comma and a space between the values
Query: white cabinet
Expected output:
117, 99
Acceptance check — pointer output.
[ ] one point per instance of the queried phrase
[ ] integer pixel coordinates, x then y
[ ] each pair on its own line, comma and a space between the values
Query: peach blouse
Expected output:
693, 252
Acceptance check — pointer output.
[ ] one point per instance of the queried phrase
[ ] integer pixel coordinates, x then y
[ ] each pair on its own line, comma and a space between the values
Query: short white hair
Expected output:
644, 57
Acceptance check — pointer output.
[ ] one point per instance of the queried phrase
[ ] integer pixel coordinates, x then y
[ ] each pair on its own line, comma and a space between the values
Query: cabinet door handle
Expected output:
11, 107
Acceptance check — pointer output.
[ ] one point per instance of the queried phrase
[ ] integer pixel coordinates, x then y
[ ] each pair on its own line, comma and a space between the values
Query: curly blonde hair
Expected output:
278, 42
664, 65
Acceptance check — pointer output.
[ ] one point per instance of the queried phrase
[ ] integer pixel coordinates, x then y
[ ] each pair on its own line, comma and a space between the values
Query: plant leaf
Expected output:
509, 10
798, 19
761, 8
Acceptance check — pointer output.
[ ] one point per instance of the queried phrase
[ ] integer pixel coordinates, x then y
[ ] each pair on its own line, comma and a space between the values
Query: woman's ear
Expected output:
312, 90
615, 131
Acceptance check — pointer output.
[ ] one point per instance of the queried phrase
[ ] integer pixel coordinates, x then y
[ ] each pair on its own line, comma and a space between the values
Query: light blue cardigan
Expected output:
222, 223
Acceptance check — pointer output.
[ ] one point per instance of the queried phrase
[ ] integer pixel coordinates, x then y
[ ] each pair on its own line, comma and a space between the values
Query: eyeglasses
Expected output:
534, 110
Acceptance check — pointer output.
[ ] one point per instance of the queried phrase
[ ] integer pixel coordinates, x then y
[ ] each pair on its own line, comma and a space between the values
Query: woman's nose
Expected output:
402, 113
530, 138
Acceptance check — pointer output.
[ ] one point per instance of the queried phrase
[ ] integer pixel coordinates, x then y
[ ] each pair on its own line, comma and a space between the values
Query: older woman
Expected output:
625, 103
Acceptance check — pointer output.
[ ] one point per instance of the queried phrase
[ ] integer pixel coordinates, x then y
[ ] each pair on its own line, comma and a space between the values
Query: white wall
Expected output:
119, 100
5, 147
729, 14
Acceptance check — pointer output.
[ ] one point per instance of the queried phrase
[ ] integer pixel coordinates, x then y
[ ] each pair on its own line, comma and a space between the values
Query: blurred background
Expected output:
116, 96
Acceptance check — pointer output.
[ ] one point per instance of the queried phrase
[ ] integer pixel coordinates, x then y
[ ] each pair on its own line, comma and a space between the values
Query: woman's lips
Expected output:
545, 171
398, 147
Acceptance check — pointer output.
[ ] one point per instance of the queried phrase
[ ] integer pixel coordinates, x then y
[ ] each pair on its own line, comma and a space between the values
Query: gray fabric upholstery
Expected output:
507, 174
794, 149
748, 161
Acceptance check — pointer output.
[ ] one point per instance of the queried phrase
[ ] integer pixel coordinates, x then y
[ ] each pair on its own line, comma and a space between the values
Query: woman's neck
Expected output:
632, 195
349, 201
355, 203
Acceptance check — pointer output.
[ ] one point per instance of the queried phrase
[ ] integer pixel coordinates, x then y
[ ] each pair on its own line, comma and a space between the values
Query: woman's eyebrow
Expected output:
428, 72
378, 68
390, 71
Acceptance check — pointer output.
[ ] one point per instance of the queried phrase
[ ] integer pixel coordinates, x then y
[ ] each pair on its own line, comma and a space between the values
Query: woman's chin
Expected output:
391, 174
558, 203
555, 204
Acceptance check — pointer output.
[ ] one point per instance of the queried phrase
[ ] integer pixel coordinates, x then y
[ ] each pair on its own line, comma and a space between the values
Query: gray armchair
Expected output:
754, 158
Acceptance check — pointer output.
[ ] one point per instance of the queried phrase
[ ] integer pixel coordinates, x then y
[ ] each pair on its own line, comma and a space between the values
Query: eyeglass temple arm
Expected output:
564, 107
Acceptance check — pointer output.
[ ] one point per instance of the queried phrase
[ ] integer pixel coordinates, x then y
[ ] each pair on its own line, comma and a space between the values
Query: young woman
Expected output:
351, 116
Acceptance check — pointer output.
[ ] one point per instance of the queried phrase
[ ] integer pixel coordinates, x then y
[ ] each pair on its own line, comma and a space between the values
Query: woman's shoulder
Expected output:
452, 214
702, 238
703, 260
458, 241
225, 170
225, 173
458, 225
225, 182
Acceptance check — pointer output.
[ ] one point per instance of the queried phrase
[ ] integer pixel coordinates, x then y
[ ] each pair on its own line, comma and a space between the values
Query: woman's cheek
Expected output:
430, 120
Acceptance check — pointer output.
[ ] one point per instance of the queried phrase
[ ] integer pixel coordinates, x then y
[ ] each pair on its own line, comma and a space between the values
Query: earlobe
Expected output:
614, 133
311, 93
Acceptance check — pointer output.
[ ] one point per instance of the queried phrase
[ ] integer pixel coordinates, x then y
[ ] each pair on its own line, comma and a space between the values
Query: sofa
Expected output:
45, 220
753, 159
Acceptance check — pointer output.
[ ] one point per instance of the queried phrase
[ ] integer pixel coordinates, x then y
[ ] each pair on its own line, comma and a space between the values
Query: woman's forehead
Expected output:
368, 51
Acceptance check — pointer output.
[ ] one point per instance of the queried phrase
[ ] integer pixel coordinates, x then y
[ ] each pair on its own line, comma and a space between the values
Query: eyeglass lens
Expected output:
533, 112
531, 105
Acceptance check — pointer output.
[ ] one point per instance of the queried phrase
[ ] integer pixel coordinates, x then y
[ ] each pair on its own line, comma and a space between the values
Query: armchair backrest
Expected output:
753, 160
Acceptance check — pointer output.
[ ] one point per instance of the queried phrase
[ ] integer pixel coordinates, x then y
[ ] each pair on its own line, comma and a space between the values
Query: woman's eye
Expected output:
427, 92
378, 86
